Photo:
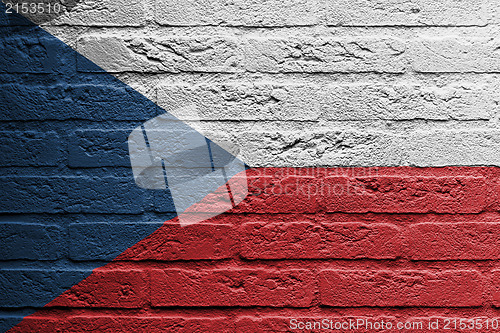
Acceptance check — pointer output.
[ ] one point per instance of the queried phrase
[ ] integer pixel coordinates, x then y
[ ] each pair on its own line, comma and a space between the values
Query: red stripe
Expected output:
303, 241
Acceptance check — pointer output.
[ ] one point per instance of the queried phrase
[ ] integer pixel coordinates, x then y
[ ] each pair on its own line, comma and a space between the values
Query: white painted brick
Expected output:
442, 148
370, 148
408, 12
318, 148
105, 13
225, 54
311, 55
243, 101
237, 13
353, 102
456, 55
407, 102
169, 54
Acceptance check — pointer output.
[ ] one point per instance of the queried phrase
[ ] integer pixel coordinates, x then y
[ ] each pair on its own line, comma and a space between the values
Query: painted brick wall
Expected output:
383, 82
291, 250
391, 79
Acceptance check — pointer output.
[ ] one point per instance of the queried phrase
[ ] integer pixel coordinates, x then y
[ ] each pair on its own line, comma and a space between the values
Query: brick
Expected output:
302, 323
151, 55
112, 151
71, 195
31, 241
105, 241
303, 240
354, 102
30, 148
120, 323
260, 324
407, 13
35, 288
107, 289
310, 148
152, 324
242, 101
224, 325
279, 195
94, 241
452, 147
495, 282
282, 145
105, 13
74, 100
113, 147
450, 288
34, 54
231, 287
249, 13
39, 324
398, 194
11, 19
454, 241
304, 55
454, 55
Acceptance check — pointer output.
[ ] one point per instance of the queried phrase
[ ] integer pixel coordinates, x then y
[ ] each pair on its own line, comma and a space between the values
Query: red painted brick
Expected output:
399, 194
445, 241
232, 287
262, 324
109, 324
192, 242
50, 324
314, 323
304, 240
495, 282
458, 288
124, 324
107, 289
278, 194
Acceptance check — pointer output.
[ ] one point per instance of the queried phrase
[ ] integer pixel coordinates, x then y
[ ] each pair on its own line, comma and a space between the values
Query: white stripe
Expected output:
289, 100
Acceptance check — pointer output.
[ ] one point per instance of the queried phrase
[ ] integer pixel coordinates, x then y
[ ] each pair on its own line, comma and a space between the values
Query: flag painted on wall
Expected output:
126, 210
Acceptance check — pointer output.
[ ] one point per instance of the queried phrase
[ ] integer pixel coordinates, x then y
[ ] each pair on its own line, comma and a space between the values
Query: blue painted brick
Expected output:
12, 19
161, 201
6, 322
105, 241
35, 53
31, 241
111, 101
35, 288
70, 195
74, 100
30, 148
112, 151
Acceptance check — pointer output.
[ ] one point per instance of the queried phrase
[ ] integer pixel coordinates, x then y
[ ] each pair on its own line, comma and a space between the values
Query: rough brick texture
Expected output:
311, 260
371, 129
232, 287
406, 288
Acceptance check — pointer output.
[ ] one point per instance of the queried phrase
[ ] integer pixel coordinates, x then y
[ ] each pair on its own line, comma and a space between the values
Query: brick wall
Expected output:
290, 252
295, 84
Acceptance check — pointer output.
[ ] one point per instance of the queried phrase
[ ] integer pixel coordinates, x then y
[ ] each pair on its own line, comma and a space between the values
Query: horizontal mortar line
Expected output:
160, 72
243, 214
274, 28
256, 121
265, 262
154, 309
